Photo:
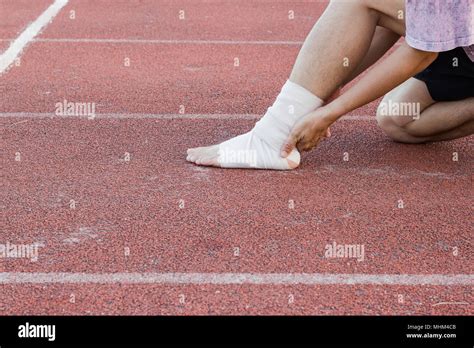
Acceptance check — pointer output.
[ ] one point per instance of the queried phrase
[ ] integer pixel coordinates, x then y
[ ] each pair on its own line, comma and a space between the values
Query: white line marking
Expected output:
238, 278
176, 42
168, 42
42, 115
9, 56
172, 42
19, 122
450, 303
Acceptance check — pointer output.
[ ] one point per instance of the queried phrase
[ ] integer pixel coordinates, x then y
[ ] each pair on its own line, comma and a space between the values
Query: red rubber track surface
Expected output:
136, 204
15, 15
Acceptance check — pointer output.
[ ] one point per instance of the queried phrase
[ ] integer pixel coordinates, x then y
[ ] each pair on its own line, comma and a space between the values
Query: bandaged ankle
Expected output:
260, 148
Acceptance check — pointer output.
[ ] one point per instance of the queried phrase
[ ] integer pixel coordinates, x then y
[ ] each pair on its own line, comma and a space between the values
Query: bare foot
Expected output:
244, 151
261, 147
204, 156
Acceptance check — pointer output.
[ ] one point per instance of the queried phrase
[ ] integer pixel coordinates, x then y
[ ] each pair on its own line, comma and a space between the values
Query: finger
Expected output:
289, 144
303, 145
300, 146
328, 133
306, 145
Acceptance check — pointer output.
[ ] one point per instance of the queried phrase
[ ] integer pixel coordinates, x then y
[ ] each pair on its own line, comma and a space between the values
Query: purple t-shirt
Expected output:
440, 25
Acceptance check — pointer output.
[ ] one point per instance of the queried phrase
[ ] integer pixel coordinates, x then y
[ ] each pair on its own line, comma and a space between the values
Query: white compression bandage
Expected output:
261, 147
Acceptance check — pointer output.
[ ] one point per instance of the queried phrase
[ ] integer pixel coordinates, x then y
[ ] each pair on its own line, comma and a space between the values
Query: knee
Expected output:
387, 124
386, 121
391, 127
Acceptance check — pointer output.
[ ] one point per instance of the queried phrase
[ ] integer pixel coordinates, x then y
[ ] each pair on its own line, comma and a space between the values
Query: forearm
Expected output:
391, 72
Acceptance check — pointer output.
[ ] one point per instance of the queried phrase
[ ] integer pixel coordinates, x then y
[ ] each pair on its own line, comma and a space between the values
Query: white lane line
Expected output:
138, 116
12, 52
451, 303
176, 42
171, 42
238, 278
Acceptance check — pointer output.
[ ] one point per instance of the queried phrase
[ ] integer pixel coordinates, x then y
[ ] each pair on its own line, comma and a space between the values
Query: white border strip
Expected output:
172, 42
451, 304
167, 42
119, 116
175, 42
9, 56
238, 278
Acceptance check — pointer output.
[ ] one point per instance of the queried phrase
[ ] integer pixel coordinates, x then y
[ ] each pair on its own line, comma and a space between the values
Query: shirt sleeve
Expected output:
439, 25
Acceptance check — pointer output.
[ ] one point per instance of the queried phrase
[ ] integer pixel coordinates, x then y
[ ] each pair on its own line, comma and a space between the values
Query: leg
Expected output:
437, 121
352, 25
382, 41
319, 70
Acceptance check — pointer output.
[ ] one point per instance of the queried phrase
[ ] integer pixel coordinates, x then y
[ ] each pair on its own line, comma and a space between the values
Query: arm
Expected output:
391, 72
404, 63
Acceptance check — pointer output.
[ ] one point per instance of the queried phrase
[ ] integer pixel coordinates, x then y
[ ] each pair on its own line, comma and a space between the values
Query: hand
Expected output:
308, 132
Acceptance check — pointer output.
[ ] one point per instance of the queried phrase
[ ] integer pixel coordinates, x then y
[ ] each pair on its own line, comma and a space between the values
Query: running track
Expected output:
153, 234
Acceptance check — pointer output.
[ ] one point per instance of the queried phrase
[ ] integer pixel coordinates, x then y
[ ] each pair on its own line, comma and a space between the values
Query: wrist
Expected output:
332, 112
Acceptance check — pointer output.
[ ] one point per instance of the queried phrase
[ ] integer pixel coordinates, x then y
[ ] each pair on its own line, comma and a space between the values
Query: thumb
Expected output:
288, 145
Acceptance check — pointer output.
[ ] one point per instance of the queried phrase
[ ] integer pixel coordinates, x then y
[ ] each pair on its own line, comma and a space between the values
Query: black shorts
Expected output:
445, 80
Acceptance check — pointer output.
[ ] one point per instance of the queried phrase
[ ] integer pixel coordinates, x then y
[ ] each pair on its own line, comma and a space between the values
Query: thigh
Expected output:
404, 103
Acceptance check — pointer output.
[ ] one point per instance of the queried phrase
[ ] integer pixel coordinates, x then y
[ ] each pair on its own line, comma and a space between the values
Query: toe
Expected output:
204, 156
192, 150
211, 162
